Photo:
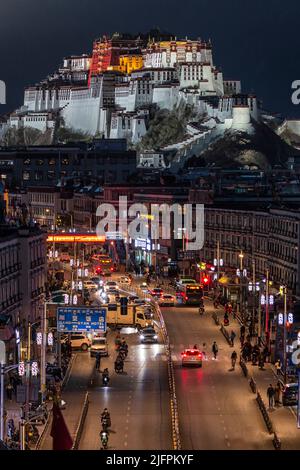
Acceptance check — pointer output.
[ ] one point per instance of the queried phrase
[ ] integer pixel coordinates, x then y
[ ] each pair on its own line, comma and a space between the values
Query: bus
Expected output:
103, 264
190, 294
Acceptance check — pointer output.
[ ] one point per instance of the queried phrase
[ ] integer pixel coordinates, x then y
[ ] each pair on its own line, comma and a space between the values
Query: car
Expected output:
125, 280
185, 281
111, 285
79, 341
97, 280
192, 357
64, 257
99, 344
156, 292
144, 287
290, 394
91, 285
148, 335
166, 300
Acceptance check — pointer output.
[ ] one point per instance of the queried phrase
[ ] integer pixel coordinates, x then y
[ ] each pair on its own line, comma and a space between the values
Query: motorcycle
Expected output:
104, 439
105, 380
119, 366
201, 310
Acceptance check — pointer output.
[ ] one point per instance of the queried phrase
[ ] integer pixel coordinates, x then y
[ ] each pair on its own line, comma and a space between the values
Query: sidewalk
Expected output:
283, 418
73, 395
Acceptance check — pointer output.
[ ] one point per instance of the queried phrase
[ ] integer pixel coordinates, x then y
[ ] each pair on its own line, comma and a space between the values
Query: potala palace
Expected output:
111, 92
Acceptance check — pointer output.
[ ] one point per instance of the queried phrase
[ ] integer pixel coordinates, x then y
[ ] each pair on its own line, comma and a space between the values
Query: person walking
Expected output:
98, 361
215, 350
278, 367
232, 336
277, 394
204, 352
9, 391
270, 394
233, 359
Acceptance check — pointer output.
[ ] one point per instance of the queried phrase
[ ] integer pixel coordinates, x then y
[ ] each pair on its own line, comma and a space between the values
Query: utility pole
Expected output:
254, 296
267, 307
43, 351
28, 369
218, 261
2, 363
284, 332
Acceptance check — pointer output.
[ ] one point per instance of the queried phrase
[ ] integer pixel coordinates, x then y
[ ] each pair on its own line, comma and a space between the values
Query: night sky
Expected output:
257, 41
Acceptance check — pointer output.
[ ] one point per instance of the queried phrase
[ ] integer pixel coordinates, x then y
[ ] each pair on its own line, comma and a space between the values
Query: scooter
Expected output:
104, 439
105, 380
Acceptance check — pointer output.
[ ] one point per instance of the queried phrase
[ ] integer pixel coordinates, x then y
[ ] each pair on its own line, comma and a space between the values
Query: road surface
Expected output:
216, 410
138, 400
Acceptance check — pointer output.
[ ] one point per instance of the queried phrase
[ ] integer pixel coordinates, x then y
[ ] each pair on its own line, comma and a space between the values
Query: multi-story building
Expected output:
270, 237
104, 161
22, 280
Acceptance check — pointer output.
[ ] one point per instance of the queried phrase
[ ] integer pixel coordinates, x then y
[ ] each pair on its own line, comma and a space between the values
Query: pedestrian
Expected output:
243, 330
261, 362
215, 350
277, 394
204, 351
232, 336
9, 391
266, 353
233, 359
278, 367
242, 340
270, 394
98, 361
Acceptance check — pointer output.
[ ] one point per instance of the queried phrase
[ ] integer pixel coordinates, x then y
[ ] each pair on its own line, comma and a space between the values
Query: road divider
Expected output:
264, 413
253, 385
244, 366
226, 335
216, 318
81, 422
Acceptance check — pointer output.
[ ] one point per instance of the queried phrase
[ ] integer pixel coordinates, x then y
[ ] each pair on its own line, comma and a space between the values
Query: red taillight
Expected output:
200, 355
186, 298
111, 269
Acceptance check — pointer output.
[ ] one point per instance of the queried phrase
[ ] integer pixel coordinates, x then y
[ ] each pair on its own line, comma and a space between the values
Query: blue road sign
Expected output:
71, 319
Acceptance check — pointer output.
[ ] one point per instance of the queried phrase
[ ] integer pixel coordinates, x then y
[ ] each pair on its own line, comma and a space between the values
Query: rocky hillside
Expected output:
261, 149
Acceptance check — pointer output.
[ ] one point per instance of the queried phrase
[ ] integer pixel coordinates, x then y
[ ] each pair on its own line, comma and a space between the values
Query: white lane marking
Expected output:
228, 444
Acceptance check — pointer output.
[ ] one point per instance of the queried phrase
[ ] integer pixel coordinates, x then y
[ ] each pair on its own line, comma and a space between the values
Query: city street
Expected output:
138, 400
216, 409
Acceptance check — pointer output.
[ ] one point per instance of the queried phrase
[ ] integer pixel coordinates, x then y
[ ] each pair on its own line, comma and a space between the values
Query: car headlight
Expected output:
155, 337
142, 337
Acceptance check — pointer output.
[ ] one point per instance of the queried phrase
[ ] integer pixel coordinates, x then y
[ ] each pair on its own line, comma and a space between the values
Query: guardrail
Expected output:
81, 422
244, 366
253, 385
264, 413
216, 318
68, 371
276, 442
171, 380
226, 335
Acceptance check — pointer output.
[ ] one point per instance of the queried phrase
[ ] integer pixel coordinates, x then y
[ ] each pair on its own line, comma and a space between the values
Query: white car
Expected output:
91, 285
109, 285
191, 357
166, 300
99, 344
79, 341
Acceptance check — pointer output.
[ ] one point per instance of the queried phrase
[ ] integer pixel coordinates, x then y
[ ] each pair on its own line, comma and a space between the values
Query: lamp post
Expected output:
284, 332
241, 256
2, 363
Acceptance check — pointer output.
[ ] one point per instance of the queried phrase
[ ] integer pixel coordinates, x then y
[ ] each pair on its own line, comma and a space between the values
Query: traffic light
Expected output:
124, 302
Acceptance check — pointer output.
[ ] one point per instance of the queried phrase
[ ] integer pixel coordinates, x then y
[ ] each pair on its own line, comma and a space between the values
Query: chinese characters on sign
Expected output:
81, 319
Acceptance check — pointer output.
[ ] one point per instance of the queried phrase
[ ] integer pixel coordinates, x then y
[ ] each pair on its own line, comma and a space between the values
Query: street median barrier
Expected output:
68, 371
253, 385
264, 413
81, 422
226, 335
276, 442
244, 367
216, 318
171, 379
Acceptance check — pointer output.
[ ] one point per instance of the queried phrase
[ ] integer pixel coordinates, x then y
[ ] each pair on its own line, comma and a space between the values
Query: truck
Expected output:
135, 317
